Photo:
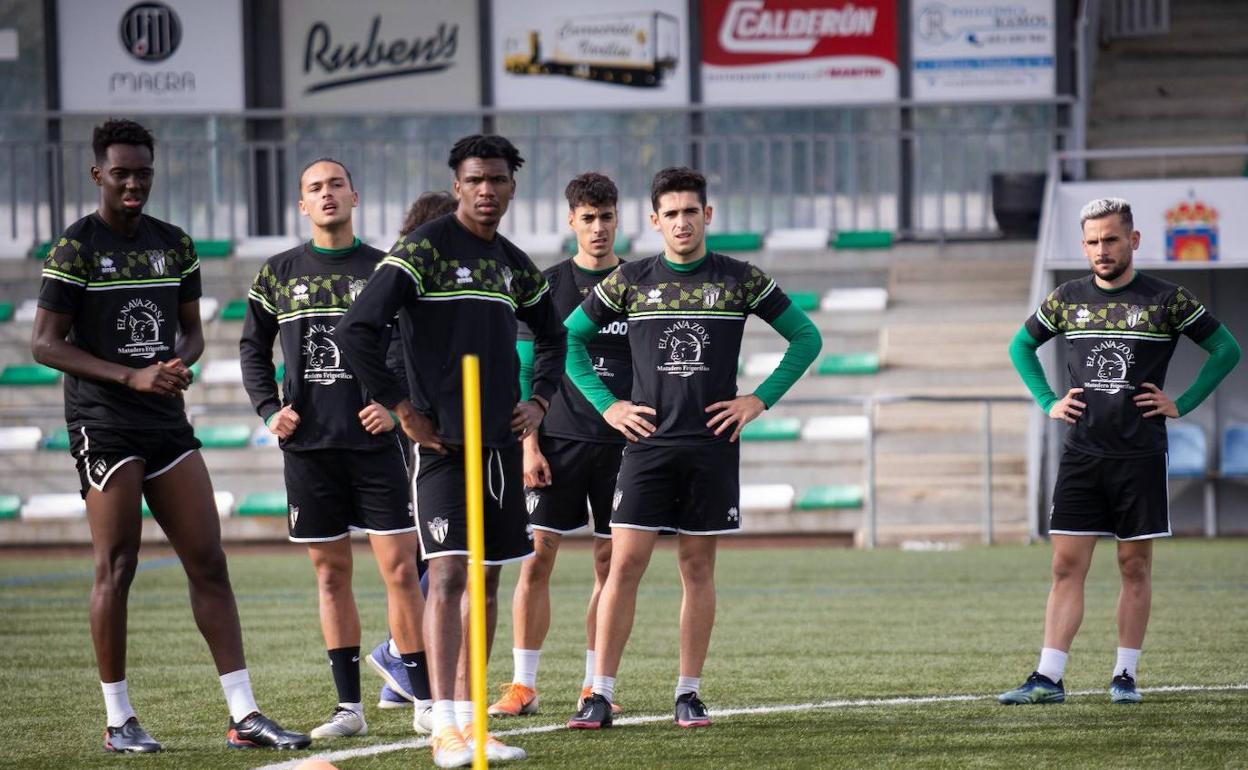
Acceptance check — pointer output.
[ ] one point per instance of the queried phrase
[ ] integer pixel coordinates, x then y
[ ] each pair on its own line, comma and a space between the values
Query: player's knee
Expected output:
115, 572
403, 575
1134, 569
539, 568
602, 563
332, 577
447, 582
697, 570
208, 568
1068, 568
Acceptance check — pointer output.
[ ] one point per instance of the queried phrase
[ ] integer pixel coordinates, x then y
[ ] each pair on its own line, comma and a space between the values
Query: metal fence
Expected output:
917, 170
1135, 18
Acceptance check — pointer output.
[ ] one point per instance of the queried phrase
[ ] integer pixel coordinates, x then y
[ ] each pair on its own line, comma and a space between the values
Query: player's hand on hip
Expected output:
1069, 408
629, 418
418, 427
1156, 401
376, 418
284, 423
158, 379
735, 414
536, 468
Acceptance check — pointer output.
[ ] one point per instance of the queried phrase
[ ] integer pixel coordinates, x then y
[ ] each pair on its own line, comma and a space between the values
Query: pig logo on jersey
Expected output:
1110, 360
139, 323
322, 360
356, 286
685, 343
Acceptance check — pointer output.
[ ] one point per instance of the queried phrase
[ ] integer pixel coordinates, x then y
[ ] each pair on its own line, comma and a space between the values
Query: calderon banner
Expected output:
1182, 222
380, 55
561, 53
982, 50
180, 55
757, 52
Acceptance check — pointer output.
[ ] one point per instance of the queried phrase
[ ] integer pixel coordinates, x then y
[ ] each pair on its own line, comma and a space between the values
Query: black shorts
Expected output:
332, 492
582, 475
441, 507
100, 451
693, 490
1123, 497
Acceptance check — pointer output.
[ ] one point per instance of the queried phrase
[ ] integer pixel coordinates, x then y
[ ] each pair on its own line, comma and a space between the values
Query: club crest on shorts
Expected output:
294, 515
615, 500
438, 528
531, 499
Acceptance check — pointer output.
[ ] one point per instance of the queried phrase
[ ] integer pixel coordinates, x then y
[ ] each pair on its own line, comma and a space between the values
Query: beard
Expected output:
1115, 272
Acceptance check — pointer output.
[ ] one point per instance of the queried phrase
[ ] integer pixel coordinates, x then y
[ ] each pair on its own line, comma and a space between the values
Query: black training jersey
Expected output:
1116, 340
571, 415
124, 295
299, 296
458, 294
684, 332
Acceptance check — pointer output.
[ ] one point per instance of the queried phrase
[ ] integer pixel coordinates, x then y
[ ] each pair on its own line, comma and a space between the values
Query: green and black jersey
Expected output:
684, 333
458, 294
124, 294
1116, 340
300, 296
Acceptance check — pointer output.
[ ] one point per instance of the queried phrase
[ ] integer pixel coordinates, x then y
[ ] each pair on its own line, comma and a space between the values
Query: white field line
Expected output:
717, 714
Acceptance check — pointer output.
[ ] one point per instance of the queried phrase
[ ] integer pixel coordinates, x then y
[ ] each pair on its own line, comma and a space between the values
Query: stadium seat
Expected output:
223, 371
223, 436
761, 364
9, 506
25, 312
57, 440
1235, 450
854, 300
623, 245
1188, 455
734, 241
234, 310
213, 249
647, 243
262, 504
806, 301
848, 427
279, 372
41, 251
263, 437
766, 497
24, 375
797, 239
835, 364
772, 429
61, 505
862, 239
22, 438
265, 246
829, 496
6, 311
208, 307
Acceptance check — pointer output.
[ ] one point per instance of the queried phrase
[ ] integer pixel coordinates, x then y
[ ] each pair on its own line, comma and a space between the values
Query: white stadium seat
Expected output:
10, 249
66, 505
21, 438
225, 503
26, 311
223, 371
647, 243
762, 364
208, 307
797, 239
854, 300
265, 246
849, 427
767, 497
538, 244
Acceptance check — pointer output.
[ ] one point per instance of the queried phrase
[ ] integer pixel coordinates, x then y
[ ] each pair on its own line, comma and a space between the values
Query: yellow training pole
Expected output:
476, 555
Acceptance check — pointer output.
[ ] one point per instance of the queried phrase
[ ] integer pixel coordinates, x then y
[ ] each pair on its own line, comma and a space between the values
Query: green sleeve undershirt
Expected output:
524, 349
1224, 353
805, 343
580, 331
1027, 364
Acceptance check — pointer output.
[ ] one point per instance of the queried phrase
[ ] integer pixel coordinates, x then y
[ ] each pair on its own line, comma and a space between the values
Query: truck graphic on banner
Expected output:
631, 49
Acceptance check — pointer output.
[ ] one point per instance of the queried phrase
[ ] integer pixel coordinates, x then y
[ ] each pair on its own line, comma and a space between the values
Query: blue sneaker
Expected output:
389, 699
1122, 689
390, 668
1037, 689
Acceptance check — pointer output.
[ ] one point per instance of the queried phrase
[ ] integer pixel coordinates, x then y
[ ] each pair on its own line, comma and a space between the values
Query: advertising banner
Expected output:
1182, 222
380, 55
180, 55
825, 52
558, 54
982, 50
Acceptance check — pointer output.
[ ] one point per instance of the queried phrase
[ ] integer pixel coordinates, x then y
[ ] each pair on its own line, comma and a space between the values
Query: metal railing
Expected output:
1135, 18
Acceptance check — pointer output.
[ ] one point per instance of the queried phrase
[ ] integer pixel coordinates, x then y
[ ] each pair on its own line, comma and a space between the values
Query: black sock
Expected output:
417, 674
344, 664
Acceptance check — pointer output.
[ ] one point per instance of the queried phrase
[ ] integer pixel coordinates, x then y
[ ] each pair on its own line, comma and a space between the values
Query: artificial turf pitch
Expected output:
795, 625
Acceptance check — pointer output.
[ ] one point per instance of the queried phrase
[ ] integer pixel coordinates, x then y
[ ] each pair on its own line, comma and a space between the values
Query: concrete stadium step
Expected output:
1169, 84
928, 469
919, 418
1232, 106
1178, 168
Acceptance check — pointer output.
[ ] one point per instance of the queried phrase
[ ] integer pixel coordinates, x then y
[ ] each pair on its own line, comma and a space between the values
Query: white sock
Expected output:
463, 714
1052, 663
444, 715
686, 684
605, 686
1128, 659
590, 659
356, 707
117, 702
237, 688
525, 662
394, 648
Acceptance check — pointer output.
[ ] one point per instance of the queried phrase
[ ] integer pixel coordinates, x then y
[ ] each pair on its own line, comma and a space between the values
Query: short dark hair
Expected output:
430, 205
120, 131
326, 159
591, 189
485, 147
677, 179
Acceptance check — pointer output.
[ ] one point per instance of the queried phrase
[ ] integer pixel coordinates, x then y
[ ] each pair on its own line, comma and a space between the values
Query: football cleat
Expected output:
1037, 689
517, 700
449, 748
342, 723
130, 738
389, 699
390, 668
1122, 689
587, 691
691, 711
495, 750
422, 717
256, 731
593, 714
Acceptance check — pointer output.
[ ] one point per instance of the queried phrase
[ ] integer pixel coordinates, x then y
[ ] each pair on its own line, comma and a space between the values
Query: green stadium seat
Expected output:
57, 440
213, 249
806, 301
734, 241
9, 506
773, 429
863, 239
623, 245
41, 251
263, 504
234, 310
829, 496
6, 311
837, 364
24, 375
223, 436
196, 368
280, 374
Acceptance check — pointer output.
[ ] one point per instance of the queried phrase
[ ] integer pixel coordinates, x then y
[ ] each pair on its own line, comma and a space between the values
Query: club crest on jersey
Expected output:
531, 500
463, 275
139, 323
685, 342
156, 261
616, 498
1109, 362
356, 286
507, 276
1135, 314
438, 528
299, 293
106, 265
710, 294
294, 515
322, 361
